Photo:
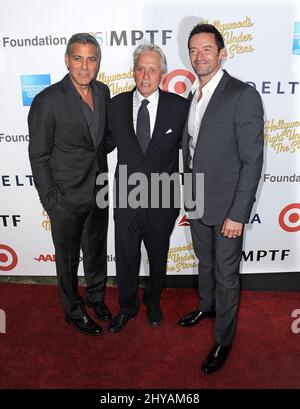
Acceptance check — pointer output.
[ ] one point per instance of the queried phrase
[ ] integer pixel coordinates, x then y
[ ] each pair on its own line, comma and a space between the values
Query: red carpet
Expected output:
39, 350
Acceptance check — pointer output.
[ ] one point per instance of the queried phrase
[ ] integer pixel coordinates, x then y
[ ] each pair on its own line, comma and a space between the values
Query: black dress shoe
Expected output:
100, 309
85, 325
119, 322
194, 317
155, 316
216, 358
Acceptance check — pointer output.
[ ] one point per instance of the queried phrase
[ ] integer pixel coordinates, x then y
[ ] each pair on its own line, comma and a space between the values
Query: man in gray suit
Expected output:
223, 139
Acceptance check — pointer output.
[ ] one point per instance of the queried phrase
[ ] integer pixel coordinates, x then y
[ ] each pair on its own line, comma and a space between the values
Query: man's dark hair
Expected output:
83, 38
208, 28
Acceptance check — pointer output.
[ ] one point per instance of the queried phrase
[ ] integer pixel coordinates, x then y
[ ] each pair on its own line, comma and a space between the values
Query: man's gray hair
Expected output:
150, 47
83, 38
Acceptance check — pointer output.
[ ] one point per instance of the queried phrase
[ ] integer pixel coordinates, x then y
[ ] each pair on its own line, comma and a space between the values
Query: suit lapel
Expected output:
72, 98
209, 112
212, 105
102, 114
159, 127
161, 114
185, 137
128, 123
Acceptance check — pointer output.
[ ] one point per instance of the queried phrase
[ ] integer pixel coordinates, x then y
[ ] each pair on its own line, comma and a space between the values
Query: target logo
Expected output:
289, 218
179, 81
8, 258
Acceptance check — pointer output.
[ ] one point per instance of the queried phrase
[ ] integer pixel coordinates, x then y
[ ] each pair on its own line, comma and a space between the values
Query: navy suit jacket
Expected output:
161, 155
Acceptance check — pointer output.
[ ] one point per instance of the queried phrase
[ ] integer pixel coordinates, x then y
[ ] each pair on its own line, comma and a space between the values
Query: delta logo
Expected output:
45, 258
184, 221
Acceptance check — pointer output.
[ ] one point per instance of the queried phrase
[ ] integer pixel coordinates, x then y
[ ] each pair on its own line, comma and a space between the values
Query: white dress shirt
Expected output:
198, 108
152, 107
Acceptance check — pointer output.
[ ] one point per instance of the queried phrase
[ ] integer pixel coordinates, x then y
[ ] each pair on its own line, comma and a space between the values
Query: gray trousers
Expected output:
219, 281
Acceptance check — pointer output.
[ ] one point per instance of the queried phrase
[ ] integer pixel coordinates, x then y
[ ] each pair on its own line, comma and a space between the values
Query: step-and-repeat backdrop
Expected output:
263, 44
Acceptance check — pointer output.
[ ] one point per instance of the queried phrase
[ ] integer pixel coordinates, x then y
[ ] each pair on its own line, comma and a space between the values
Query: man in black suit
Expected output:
146, 127
67, 149
223, 139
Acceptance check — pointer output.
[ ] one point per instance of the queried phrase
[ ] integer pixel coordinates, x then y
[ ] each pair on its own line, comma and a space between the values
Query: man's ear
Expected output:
67, 61
223, 53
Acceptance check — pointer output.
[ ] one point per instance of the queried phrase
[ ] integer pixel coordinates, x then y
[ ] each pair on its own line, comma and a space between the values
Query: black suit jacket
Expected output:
229, 151
161, 155
64, 159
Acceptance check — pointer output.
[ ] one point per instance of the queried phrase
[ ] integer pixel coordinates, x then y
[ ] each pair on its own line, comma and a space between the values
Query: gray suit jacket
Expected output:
229, 151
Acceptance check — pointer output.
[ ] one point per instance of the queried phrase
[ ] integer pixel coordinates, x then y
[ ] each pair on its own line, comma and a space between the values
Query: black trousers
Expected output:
128, 257
219, 281
70, 232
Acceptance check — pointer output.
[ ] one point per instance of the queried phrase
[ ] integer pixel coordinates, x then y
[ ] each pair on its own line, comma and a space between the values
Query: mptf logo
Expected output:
289, 218
8, 258
125, 38
179, 81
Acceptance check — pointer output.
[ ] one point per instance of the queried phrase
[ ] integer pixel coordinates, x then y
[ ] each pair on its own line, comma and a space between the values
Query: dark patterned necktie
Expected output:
143, 125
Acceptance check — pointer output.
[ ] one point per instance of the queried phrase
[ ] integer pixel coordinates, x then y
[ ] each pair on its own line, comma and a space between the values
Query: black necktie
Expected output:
143, 125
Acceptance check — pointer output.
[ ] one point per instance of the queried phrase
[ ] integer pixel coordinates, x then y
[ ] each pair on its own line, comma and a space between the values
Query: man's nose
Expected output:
146, 74
199, 55
84, 64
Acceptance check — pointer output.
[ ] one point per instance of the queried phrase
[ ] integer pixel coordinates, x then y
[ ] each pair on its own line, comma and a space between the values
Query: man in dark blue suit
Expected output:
146, 127
67, 149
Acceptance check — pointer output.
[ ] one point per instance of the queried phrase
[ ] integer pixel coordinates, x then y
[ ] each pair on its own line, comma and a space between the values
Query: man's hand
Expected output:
232, 229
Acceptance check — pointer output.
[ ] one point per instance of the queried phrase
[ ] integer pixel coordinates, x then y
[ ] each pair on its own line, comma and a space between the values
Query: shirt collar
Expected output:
153, 98
211, 85
92, 84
